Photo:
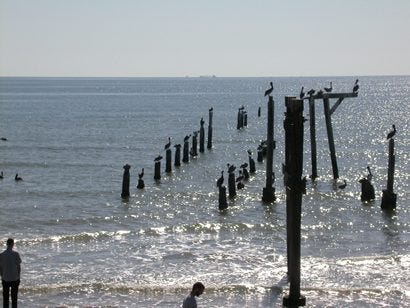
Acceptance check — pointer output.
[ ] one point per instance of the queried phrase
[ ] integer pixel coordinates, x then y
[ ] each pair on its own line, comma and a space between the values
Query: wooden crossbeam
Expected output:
332, 95
339, 101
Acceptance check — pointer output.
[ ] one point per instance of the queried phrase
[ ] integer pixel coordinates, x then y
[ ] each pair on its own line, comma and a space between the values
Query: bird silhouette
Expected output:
392, 132
231, 168
302, 94
311, 92
140, 175
158, 158
269, 91
177, 146
186, 138
356, 86
17, 178
220, 181
369, 174
343, 186
211, 109
168, 144
245, 165
249, 152
330, 88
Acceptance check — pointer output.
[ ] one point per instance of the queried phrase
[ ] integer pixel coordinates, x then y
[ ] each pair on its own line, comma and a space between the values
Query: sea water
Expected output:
82, 245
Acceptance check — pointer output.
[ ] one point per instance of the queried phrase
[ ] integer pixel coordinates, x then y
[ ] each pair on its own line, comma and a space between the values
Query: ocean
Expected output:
82, 245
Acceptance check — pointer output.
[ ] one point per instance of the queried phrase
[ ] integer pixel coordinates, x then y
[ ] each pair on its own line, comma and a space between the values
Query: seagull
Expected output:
168, 144
158, 158
392, 132
220, 181
356, 86
17, 178
329, 89
343, 186
269, 91
302, 94
140, 175
311, 92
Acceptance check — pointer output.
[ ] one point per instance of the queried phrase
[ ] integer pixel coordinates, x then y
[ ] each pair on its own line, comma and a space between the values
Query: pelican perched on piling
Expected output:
231, 168
311, 92
269, 91
186, 138
158, 158
140, 175
302, 94
249, 152
17, 178
211, 109
356, 86
329, 89
168, 144
369, 174
392, 132
220, 181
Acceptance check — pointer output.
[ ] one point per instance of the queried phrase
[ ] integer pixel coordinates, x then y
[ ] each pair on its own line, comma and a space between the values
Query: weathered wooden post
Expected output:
202, 136
245, 118
313, 153
295, 186
126, 182
367, 190
223, 204
252, 168
389, 198
239, 120
245, 171
269, 191
141, 184
157, 168
259, 157
259, 112
330, 137
231, 181
209, 144
185, 154
177, 161
194, 149
168, 160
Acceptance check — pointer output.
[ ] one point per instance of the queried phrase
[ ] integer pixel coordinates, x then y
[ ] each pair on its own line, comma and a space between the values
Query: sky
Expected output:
173, 38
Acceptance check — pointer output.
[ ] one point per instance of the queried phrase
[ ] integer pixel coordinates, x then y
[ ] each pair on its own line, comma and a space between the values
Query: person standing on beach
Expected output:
10, 274
190, 301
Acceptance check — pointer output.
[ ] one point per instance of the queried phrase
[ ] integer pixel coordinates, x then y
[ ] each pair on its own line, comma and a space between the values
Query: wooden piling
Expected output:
231, 185
157, 170
259, 112
209, 144
168, 160
194, 149
330, 137
223, 204
202, 136
177, 161
185, 154
239, 120
389, 198
245, 118
252, 168
259, 157
269, 191
313, 152
295, 186
126, 182
367, 189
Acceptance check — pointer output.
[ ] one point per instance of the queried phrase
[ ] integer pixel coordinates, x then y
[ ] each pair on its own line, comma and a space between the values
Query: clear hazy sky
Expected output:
198, 37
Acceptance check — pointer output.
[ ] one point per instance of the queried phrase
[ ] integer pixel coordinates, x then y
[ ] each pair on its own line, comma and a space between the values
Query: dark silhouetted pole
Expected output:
269, 190
126, 182
313, 154
194, 149
209, 144
202, 136
168, 161
259, 112
367, 190
231, 184
177, 161
185, 154
245, 118
331, 140
259, 154
157, 169
295, 186
389, 198
223, 204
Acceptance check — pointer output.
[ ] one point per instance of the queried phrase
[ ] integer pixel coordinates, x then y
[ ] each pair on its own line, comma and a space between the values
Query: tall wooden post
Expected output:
194, 149
223, 204
202, 136
185, 154
312, 117
329, 128
294, 187
157, 170
126, 182
168, 160
209, 144
389, 198
231, 185
177, 161
269, 191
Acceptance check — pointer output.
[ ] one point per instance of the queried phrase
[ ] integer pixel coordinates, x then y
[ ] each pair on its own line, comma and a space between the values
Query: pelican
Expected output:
231, 168
187, 137
392, 132
168, 144
302, 94
17, 178
369, 175
343, 186
329, 89
158, 158
269, 91
249, 152
319, 93
245, 165
356, 86
311, 92
140, 175
211, 109
220, 181
177, 146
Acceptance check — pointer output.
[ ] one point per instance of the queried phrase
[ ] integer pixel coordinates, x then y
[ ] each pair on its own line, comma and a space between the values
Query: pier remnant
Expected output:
313, 152
389, 198
209, 144
177, 161
141, 184
223, 204
194, 149
168, 160
231, 181
269, 191
252, 168
295, 186
185, 154
126, 182
157, 167
202, 136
